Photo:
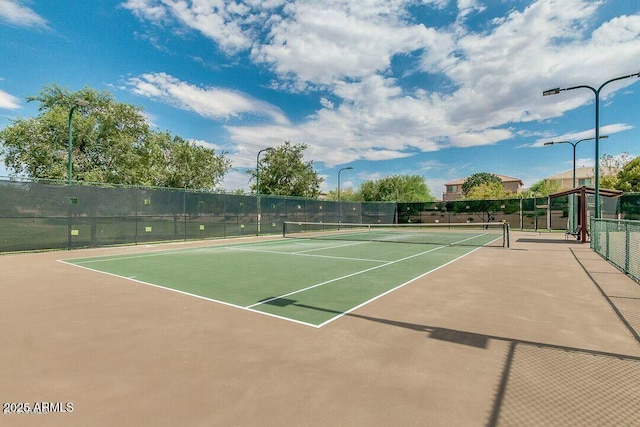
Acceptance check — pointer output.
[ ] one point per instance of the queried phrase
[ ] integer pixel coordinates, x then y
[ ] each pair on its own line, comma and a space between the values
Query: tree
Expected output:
543, 188
479, 178
396, 188
348, 194
192, 166
609, 167
484, 209
487, 190
610, 163
629, 176
609, 181
283, 172
112, 143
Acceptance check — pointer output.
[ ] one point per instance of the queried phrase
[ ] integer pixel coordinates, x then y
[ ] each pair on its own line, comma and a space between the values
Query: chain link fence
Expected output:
44, 216
618, 241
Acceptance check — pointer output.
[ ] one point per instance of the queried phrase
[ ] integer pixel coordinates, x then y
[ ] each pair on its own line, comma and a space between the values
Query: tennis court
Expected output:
315, 275
542, 334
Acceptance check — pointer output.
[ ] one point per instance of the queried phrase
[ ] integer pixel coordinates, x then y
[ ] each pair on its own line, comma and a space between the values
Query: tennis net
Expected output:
450, 234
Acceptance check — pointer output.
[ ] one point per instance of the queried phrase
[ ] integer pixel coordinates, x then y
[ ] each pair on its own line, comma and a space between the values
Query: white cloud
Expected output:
235, 179
326, 103
212, 102
491, 80
231, 24
147, 9
322, 44
14, 13
620, 29
467, 7
206, 144
607, 131
8, 101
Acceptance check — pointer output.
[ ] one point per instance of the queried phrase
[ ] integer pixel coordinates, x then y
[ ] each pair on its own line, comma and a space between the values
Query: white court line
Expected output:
336, 317
78, 261
308, 255
228, 304
250, 307
331, 247
366, 271
346, 276
160, 252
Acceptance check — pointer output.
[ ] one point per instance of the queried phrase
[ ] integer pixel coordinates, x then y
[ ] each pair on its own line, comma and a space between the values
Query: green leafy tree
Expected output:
487, 190
396, 188
478, 179
609, 181
112, 143
348, 194
629, 176
486, 210
544, 188
610, 166
283, 172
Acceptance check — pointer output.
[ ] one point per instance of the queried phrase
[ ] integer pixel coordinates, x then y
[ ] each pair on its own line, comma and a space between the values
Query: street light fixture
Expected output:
574, 144
572, 200
343, 169
77, 103
339, 205
258, 210
596, 92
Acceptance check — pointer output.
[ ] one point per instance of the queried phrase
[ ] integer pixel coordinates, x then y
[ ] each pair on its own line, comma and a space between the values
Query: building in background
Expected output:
453, 189
584, 177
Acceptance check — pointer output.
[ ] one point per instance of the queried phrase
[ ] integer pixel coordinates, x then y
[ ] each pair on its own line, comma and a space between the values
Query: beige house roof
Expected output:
587, 172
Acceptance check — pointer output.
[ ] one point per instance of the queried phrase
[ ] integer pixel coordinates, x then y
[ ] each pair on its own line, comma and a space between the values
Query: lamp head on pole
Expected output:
557, 142
552, 91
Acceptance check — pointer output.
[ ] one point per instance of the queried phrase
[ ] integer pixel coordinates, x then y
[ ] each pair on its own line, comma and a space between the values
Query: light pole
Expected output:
77, 103
339, 204
258, 188
574, 144
596, 92
343, 169
572, 201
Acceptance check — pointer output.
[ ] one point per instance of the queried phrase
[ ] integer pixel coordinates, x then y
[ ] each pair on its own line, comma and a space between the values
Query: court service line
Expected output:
336, 317
160, 252
345, 277
344, 245
310, 255
228, 304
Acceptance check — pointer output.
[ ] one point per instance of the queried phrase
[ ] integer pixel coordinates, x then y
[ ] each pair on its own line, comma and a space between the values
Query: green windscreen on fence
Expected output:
40, 216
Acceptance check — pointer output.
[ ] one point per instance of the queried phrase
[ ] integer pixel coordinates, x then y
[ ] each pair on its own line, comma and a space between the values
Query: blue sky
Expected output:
437, 88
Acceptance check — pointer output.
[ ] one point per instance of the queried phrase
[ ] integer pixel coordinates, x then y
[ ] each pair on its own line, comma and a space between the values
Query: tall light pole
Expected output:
339, 204
258, 210
77, 103
343, 169
574, 144
572, 201
596, 92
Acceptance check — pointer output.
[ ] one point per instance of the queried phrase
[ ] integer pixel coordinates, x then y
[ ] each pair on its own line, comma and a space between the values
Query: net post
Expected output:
505, 233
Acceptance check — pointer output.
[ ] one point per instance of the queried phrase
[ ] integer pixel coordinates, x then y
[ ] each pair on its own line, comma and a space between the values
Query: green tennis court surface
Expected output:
303, 280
